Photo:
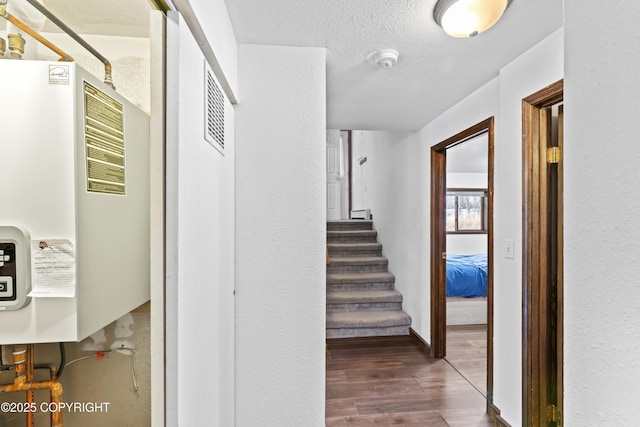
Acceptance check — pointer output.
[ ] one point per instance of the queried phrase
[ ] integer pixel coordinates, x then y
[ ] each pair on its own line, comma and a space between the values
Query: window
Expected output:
466, 211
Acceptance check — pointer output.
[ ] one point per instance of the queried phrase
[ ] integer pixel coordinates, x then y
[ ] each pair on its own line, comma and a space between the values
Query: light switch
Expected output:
509, 248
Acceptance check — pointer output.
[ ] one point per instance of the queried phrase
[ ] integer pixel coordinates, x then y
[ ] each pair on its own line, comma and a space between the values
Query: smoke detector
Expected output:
385, 58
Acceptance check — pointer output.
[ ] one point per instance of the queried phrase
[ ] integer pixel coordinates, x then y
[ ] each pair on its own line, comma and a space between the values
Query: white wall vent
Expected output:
214, 111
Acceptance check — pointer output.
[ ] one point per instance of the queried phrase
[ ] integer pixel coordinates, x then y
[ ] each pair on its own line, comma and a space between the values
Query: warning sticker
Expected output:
104, 139
53, 269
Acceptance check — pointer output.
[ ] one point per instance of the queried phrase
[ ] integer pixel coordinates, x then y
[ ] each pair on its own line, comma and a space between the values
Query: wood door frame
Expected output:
439, 243
534, 262
350, 160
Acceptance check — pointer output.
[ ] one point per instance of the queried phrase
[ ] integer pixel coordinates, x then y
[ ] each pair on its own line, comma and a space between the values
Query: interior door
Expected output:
553, 354
542, 257
334, 175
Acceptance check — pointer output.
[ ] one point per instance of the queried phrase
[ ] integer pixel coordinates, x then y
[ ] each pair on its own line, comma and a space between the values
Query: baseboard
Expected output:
416, 336
494, 413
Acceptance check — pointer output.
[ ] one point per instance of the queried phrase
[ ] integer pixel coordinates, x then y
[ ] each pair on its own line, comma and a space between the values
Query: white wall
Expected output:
403, 174
602, 309
280, 236
467, 180
395, 189
466, 244
200, 246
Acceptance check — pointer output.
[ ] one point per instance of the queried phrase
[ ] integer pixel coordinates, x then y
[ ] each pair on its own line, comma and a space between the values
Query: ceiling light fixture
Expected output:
468, 18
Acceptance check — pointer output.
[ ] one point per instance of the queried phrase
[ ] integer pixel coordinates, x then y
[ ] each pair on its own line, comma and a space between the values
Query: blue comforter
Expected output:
467, 275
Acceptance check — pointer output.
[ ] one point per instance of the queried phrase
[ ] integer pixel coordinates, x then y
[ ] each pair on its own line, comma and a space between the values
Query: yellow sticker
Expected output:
104, 142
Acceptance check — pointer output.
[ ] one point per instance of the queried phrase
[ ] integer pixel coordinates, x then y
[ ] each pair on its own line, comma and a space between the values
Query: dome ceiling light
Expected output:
468, 18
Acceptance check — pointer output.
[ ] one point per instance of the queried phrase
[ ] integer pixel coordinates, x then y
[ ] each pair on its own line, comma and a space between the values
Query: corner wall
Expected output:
280, 236
602, 201
199, 295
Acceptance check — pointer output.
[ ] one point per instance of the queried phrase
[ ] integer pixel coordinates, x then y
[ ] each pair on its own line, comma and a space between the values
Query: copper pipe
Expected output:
23, 356
20, 360
47, 13
15, 21
29, 374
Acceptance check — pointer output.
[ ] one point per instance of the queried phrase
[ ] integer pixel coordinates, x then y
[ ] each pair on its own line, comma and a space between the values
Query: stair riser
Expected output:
352, 239
343, 226
359, 286
354, 252
357, 268
370, 306
367, 332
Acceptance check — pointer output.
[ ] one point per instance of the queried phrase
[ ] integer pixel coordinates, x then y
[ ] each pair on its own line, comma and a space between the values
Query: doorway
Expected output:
338, 175
466, 265
543, 257
447, 200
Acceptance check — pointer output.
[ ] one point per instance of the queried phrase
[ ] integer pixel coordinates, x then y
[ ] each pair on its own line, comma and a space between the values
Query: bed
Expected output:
467, 275
466, 289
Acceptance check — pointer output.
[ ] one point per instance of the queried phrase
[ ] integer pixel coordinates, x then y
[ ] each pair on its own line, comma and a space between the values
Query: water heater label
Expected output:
58, 74
104, 138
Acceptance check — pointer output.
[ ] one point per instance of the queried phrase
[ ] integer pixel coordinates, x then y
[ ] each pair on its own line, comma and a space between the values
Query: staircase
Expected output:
361, 299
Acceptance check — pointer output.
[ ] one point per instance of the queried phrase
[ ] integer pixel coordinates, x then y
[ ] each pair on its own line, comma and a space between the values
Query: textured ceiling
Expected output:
434, 71
128, 18
114, 17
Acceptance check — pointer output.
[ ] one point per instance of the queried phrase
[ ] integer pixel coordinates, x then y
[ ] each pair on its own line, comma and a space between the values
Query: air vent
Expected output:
214, 111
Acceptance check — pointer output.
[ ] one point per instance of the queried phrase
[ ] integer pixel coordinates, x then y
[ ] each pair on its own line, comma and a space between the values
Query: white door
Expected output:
334, 174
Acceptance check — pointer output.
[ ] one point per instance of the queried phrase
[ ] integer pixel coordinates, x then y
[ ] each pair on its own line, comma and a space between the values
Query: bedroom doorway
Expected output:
542, 250
462, 244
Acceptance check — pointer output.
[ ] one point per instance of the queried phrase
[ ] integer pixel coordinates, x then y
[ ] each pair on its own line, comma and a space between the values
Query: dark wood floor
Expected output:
467, 352
393, 381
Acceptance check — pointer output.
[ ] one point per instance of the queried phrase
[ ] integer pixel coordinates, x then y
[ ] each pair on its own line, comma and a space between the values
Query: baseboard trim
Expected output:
416, 337
494, 413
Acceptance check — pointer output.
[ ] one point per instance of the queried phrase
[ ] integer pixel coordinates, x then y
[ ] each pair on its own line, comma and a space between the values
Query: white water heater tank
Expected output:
74, 168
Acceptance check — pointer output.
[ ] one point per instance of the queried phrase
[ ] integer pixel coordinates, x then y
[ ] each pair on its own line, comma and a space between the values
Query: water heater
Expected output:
74, 205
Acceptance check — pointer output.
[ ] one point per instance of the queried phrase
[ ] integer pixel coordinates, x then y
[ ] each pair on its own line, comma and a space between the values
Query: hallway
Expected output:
393, 381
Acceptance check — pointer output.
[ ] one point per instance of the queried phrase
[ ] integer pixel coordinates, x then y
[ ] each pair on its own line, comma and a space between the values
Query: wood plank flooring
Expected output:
467, 352
391, 381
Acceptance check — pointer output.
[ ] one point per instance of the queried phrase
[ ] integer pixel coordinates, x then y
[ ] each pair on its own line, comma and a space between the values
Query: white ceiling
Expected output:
128, 18
434, 71
114, 17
